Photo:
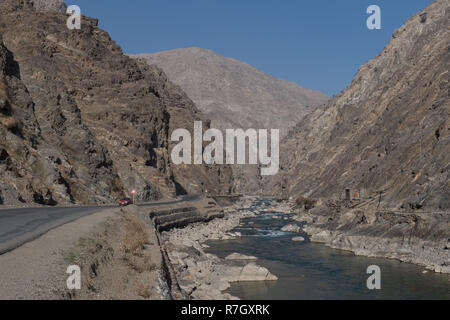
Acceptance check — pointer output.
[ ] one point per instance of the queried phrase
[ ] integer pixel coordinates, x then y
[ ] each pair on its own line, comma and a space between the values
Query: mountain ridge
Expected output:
209, 51
205, 74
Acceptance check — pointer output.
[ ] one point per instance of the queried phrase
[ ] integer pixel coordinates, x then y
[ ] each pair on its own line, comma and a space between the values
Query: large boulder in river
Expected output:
253, 272
249, 272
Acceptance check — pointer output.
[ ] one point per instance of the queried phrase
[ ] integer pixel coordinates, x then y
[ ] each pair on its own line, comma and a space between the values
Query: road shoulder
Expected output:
37, 269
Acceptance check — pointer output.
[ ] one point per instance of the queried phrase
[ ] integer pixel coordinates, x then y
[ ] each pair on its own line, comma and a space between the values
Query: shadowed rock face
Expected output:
80, 121
388, 131
235, 95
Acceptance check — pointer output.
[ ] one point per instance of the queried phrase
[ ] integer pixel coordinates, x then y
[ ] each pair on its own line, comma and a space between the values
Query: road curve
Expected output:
18, 226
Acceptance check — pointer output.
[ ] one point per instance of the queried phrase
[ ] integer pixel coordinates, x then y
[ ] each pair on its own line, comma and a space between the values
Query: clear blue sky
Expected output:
318, 44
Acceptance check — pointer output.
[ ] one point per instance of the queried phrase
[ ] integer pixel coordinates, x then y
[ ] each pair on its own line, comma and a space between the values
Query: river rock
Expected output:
238, 256
322, 236
253, 272
291, 228
298, 239
303, 218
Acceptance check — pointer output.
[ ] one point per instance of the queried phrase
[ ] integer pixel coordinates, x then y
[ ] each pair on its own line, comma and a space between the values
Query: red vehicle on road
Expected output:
125, 202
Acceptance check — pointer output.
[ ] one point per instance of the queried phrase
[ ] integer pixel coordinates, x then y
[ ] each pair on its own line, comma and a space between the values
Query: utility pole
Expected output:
379, 200
420, 144
420, 139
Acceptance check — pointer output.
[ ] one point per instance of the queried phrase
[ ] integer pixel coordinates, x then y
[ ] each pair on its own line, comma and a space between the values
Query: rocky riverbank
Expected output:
421, 238
127, 257
203, 275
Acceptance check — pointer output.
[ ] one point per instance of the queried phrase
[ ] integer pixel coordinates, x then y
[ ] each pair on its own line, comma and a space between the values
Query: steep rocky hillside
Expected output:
235, 95
388, 132
80, 121
50, 5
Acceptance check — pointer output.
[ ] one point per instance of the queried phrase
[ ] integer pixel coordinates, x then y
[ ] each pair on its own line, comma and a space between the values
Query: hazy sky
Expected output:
318, 44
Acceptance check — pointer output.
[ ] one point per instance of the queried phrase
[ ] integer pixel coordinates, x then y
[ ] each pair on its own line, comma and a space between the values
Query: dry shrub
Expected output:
143, 290
306, 203
135, 236
10, 123
140, 264
143, 265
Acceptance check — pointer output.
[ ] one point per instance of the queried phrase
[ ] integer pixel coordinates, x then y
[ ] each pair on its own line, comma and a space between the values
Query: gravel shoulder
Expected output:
37, 270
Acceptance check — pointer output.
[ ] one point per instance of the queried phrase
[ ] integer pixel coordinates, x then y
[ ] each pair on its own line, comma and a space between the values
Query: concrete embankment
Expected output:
182, 215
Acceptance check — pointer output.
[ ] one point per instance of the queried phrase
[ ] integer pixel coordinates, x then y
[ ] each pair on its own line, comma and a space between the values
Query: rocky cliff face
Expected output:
80, 121
235, 95
388, 133
50, 5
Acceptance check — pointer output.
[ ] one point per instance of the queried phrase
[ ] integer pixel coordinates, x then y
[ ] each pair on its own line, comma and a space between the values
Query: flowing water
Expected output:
307, 270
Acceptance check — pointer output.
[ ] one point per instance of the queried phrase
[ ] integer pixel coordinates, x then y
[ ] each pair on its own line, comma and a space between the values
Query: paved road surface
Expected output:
18, 226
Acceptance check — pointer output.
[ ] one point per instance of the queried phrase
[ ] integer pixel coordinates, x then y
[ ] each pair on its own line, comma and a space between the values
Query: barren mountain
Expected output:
388, 132
232, 93
80, 122
235, 95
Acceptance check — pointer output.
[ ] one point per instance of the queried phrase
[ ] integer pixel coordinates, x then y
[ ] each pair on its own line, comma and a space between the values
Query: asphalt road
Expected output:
18, 226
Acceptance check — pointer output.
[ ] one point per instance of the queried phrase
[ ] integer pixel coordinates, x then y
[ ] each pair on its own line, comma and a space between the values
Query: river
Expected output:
307, 270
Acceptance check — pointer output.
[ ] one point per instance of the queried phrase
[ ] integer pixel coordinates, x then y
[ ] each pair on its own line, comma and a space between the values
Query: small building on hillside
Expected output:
353, 194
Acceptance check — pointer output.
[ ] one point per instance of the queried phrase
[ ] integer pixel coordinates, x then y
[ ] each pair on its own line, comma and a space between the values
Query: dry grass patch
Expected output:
135, 236
135, 240
139, 264
143, 290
